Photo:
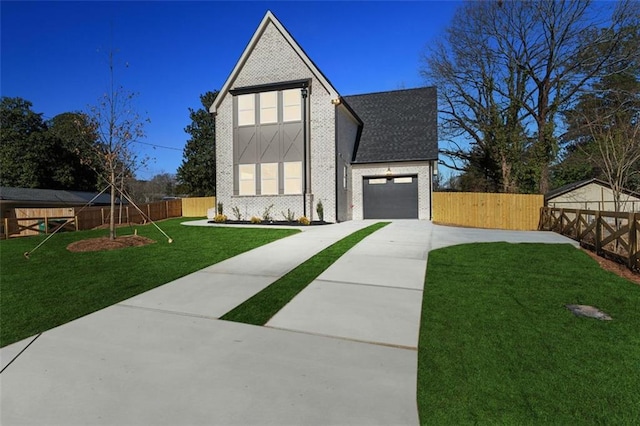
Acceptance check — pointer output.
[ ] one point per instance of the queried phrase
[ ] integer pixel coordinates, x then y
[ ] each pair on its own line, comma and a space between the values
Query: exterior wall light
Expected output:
336, 101
388, 173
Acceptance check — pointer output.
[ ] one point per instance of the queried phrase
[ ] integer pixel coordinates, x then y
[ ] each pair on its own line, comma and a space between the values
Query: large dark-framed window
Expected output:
268, 138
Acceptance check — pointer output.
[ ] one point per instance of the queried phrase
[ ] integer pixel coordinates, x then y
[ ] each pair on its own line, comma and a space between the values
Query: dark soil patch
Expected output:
104, 243
615, 267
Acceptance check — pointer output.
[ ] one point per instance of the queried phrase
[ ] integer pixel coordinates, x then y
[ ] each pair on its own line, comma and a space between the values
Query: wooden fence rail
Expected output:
610, 234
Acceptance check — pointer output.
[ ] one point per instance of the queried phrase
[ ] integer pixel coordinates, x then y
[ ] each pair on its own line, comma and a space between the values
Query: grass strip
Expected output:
56, 286
497, 345
259, 309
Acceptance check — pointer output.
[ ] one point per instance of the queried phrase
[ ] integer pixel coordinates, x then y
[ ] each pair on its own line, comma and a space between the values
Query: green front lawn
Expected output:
56, 286
497, 345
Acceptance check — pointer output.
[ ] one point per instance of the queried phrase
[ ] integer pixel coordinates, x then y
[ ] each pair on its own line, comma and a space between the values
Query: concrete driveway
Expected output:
342, 352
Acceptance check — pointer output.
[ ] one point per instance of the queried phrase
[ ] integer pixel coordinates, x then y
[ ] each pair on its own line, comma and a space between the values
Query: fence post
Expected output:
46, 224
578, 225
76, 220
633, 242
598, 232
562, 221
6, 228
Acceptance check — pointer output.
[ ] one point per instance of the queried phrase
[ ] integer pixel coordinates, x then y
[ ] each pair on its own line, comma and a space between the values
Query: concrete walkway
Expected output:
342, 352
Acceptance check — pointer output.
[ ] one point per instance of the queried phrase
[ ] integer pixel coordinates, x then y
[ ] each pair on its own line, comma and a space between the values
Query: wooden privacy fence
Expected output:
487, 210
612, 234
92, 217
87, 218
197, 206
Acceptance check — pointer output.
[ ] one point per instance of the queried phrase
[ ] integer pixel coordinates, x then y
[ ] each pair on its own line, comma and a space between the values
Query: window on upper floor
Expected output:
246, 110
268, 107
291, 105
270, 103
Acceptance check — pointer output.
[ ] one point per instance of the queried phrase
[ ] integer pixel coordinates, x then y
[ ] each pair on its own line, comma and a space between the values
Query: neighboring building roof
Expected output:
52, 196
400, 125
575, 185
269, 17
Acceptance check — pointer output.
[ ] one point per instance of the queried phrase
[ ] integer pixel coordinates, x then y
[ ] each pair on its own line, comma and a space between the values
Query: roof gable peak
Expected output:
270, 18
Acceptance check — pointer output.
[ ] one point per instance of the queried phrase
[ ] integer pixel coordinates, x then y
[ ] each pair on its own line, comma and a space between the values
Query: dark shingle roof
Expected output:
34, 195
400, 125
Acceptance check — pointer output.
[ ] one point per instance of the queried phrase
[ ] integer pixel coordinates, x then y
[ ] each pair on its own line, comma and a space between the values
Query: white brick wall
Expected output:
422, 169
273, 60
346, 138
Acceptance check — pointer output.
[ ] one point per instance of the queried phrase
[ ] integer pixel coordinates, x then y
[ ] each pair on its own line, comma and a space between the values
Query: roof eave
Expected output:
409, 160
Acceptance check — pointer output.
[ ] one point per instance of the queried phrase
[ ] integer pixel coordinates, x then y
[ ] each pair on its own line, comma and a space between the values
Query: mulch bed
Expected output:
615, 267
104, 243
270, 223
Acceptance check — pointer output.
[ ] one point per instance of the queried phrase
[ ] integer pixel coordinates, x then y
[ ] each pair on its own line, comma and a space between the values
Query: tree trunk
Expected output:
544, 178
508, 185
112, 218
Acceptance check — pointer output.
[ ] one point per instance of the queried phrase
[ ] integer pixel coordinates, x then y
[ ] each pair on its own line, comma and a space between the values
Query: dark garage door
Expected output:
390, 198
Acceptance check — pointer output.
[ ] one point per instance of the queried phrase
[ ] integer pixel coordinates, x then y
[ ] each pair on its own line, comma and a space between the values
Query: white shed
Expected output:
591, 194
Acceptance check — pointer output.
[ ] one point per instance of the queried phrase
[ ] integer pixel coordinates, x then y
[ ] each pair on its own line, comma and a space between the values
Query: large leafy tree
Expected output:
197, 173
74, 164
24, 145
52, 154
504, 71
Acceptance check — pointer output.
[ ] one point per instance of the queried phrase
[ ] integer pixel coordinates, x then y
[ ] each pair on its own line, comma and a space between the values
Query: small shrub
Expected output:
289, 215
255, 219
266, 214
303, 220
220, 207
320, 211
220, 218
236, 212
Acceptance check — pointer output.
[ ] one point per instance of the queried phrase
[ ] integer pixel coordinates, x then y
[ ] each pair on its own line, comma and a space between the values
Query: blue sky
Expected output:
54, 54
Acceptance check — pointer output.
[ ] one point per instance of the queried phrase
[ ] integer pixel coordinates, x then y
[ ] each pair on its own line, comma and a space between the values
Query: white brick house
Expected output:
286, 137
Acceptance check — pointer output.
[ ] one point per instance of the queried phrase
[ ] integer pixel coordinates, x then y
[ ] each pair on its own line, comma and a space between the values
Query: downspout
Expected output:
305, 92
433, 168
335, 143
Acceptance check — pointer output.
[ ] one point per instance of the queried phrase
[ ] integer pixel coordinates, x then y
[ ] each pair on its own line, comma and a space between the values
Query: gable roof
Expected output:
269, 18
399, 125
575, 185
52, 196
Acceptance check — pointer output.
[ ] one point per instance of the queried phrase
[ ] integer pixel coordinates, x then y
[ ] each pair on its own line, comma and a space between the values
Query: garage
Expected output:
390, 197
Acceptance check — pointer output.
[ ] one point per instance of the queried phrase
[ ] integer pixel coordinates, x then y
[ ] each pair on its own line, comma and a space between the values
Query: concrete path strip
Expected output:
373, 293
217, 289
162, 357
130, 366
